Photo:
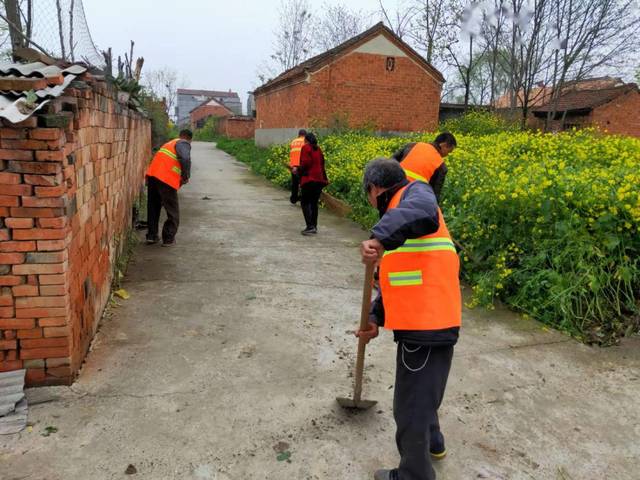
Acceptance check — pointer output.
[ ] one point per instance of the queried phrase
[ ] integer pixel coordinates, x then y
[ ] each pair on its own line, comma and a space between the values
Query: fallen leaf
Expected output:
284, 456
122, 293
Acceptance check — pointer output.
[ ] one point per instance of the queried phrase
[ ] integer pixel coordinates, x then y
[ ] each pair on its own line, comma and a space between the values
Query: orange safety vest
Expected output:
296, 150
423, 159
165, 165
419, 281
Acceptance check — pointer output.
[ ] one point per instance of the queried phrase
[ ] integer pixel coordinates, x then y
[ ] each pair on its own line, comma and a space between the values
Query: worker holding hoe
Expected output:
420, 302
425, 161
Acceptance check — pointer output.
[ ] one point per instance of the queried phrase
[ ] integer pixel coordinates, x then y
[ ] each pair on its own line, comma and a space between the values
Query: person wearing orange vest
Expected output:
295, 150
168, 171
425, 161
419, 300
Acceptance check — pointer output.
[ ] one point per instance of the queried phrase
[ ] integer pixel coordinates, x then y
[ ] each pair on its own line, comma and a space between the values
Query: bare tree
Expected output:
590, 35
14, 20
429, 26
492, 36
294, 38
337, 25
61, 29
71, 44
399, 20
164, 83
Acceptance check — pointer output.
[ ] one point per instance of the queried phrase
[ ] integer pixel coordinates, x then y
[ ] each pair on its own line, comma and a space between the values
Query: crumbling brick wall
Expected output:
68, 181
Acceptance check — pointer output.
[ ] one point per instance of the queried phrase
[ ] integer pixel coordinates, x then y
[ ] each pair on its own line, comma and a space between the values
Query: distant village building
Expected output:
374, 80
206, 110
188, 100
251, 105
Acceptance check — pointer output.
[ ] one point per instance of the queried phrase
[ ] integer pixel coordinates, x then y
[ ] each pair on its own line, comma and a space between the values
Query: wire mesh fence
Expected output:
57, 27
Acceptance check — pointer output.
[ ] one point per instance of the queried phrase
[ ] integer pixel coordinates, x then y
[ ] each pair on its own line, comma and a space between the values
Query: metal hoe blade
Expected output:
352, 404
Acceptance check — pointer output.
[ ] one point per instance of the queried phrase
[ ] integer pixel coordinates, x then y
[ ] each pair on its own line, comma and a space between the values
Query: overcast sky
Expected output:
216, 44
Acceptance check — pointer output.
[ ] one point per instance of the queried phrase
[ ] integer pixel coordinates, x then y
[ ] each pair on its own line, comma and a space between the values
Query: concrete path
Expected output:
234, 345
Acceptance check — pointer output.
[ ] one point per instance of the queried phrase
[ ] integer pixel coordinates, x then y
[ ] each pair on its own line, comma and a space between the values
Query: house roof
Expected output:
209, 101
327, 57
586, 99
208, 93
18, 80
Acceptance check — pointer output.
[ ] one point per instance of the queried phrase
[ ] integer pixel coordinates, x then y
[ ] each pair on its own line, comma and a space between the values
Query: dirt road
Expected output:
225, 362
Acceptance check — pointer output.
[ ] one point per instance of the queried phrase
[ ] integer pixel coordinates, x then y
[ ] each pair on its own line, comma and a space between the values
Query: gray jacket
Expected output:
183, 151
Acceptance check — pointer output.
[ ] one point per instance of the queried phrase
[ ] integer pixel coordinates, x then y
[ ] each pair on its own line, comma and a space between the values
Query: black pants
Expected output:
295, 187
421, 378
159, 195
309, 202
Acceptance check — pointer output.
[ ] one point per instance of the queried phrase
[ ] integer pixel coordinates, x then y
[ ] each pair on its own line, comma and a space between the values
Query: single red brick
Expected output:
37, 212
11, 355
52, 279
6, 298
60, 372
30, 333
40, 312
25, 291
52, 352
4, 235
44, 202
7, 312
7, 178
50, 156
44, 342
58, 362
10, 280
45, 133
23, 155
56, 331
38, 268
31, 122
52, 245
12, 259
22, 144
52, 322
40, 234
17, 190
13, 133
9, 200
45, 192
58, 222
4, 211
34, 376
17, 323
10, 334
52, 290
10, 345
19, 222
39, 168
32, 302
46, 257
17, 246
45, 180
10, 365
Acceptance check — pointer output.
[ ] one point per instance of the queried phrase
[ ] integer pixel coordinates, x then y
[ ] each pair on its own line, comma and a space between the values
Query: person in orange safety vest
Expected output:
168, 171
295, 150
425, 161
419, 300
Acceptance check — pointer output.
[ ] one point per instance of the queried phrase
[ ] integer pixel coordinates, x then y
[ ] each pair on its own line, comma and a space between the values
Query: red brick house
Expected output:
373, 80
613, 109
208, 108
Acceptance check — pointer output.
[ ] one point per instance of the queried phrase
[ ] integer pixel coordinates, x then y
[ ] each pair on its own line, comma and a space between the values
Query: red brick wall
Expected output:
206, 111
66, 196
237, 127
620, 116
359, 89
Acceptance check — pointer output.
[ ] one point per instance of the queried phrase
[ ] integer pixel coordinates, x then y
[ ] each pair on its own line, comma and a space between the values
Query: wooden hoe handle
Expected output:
364, 324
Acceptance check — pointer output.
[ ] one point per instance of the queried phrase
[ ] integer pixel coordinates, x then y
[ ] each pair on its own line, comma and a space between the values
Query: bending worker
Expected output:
295, 150
425, 161
169, 170
420, 302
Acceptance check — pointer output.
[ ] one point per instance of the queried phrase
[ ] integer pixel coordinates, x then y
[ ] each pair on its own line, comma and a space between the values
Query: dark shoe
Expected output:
293, 200
170, 243
309, 231
152, 240
384, 475
437, 449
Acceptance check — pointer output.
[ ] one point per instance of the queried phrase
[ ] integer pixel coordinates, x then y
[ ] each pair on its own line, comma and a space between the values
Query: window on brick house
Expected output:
391, 64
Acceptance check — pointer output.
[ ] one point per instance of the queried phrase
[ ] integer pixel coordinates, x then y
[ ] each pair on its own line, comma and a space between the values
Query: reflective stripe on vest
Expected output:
165, 165
296, 149
423, 159
419, 281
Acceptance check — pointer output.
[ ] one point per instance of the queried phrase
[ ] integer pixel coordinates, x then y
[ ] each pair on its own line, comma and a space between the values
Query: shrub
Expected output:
549, 224
208, 132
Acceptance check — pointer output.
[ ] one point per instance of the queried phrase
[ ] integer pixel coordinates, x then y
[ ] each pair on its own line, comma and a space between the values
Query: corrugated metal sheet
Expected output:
13, 104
